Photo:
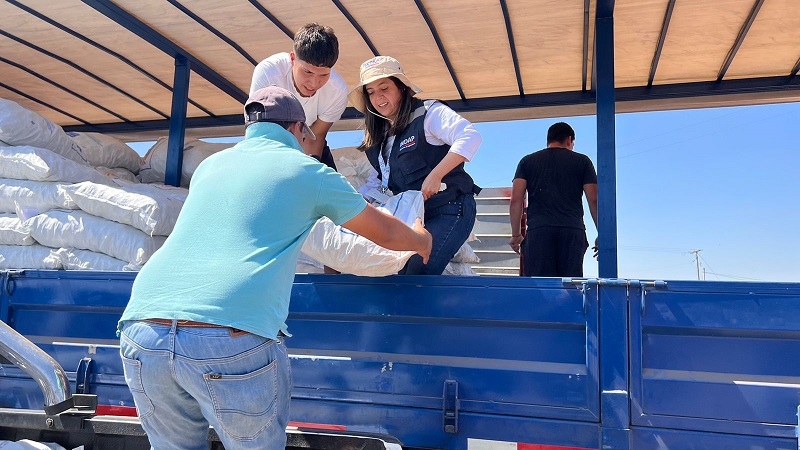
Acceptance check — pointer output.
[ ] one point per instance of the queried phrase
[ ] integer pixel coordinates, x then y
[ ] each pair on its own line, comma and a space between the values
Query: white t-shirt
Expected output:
327, 104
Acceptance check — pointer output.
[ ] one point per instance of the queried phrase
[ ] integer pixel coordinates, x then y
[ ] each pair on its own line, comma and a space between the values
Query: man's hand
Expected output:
419, 228
515, 242
596, 248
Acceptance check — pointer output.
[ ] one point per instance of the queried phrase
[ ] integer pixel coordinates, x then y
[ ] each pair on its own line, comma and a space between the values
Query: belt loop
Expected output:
173, 327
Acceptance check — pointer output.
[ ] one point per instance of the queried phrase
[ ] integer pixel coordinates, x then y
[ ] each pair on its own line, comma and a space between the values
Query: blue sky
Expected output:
721, 180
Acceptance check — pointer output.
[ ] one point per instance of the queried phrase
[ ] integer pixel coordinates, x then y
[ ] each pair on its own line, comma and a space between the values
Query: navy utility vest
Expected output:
413, 158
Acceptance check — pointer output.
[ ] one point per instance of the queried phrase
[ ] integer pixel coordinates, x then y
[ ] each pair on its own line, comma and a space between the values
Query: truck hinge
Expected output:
583, 285
450, 407
10, 286
82, 374
797, 430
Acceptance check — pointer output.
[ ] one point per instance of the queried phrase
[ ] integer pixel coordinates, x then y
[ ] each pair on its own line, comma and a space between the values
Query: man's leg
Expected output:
573, 248
169, 415
242, 382
539, 252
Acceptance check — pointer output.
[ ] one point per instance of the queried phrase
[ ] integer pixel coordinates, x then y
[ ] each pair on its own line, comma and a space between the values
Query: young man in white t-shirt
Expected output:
307, 73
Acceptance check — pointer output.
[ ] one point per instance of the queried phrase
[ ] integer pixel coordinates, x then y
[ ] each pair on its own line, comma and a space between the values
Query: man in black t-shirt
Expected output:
555, 180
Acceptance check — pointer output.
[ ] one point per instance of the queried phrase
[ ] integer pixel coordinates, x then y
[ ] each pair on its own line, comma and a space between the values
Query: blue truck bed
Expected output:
472, 362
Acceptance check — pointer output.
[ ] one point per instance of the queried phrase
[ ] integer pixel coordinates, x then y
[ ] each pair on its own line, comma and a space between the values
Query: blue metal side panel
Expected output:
660, 439
65, 304
385, 347
371, 354
719, 357
71, 316
613, 352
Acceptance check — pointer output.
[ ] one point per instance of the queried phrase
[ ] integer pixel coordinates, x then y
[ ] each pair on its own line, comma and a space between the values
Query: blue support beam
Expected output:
606, 140
177, 122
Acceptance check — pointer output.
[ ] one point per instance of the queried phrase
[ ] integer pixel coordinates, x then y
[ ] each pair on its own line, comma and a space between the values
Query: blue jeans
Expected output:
449, 226
185, 378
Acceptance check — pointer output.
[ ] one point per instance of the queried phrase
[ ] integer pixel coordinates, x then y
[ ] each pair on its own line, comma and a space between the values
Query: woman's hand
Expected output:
431, 185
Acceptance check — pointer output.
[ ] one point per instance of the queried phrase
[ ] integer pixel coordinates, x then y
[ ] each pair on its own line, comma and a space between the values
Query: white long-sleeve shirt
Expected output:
442, 126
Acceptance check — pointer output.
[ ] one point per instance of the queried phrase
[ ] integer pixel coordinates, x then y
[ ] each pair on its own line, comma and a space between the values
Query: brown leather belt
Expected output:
185, 323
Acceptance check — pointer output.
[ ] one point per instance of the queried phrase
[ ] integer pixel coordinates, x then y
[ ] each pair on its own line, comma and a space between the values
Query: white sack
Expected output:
347, 252
353, 165
28, 257
154, 163
464, 269
465, 254
33, 195
27, 444
106, 151
14, 231
21, 126
78, 229
117, 173
302, 267
39, 164
76, 259
151, 208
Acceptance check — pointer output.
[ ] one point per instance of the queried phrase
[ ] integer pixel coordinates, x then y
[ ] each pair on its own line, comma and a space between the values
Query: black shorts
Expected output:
554, 252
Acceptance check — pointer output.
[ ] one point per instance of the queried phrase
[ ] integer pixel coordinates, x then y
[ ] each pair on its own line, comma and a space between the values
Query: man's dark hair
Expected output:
558, 132
316, 45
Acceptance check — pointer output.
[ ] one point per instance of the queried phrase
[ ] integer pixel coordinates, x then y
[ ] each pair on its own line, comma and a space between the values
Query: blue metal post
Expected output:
606, 143
177, 122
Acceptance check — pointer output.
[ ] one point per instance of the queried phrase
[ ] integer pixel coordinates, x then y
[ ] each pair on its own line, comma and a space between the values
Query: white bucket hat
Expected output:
375, 69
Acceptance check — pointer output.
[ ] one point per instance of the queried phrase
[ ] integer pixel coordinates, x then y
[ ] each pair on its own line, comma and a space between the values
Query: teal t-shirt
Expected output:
231, 258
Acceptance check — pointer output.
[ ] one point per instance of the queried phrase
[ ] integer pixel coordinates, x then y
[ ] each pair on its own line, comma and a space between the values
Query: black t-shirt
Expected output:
555, 178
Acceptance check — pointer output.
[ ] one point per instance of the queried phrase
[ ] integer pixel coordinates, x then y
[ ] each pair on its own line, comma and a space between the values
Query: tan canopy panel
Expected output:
110, 65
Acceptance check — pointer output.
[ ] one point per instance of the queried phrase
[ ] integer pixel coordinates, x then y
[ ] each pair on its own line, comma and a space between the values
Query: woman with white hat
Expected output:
418, 145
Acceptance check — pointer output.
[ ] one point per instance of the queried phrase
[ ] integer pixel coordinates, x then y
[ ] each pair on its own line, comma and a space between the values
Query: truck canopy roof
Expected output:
109, 66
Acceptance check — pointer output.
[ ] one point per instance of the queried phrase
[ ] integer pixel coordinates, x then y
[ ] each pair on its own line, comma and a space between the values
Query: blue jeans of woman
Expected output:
449, 226
185, 378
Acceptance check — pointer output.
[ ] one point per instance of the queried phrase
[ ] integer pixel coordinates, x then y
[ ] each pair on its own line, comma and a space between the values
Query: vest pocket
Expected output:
413, 168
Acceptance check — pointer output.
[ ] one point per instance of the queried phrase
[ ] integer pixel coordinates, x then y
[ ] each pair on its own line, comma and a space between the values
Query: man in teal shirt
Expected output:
202, 336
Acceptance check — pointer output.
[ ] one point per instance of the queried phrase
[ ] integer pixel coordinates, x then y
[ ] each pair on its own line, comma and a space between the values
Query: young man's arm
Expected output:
314, 147
515, 208
390, 232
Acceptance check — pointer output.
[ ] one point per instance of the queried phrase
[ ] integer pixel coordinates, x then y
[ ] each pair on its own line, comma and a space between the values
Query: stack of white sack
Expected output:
118, 227
354, 165
154, 163
109, 155
21, 126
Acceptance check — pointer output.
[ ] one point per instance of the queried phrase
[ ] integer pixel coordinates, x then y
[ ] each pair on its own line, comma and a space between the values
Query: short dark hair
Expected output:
558, 132
316, 45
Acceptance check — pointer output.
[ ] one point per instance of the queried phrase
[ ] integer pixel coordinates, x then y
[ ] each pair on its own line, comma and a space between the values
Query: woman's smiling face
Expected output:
385, 96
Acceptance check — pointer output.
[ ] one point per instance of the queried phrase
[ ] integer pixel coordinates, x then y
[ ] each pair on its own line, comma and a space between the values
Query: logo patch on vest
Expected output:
407, 143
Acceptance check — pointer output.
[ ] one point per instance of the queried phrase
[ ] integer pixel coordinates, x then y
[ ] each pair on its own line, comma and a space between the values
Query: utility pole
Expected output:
697, 261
